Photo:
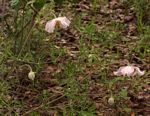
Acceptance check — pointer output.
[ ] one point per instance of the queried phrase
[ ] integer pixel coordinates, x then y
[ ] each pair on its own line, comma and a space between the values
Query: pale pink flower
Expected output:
60, 22
129, 71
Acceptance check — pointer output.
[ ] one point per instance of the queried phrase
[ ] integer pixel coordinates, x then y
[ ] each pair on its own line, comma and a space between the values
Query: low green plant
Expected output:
142, 8
142, 46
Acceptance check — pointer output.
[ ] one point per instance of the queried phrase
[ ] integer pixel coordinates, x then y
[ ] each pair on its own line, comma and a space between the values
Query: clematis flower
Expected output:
60, 22
129, 71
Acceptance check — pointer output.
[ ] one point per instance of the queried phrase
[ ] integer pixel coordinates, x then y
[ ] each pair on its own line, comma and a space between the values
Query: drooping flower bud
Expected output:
111, 100
31, 75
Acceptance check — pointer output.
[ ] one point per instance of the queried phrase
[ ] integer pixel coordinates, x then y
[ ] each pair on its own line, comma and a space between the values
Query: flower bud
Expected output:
31, 75
111, 101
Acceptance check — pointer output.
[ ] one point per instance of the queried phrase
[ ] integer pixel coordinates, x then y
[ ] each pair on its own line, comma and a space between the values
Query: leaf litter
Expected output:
99, 92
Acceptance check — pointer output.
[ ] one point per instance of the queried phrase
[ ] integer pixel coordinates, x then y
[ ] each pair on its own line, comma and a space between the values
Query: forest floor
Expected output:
76, 77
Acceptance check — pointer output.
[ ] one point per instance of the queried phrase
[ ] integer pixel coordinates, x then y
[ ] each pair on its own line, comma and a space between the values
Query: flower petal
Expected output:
60, 22
118, 72
50, 26
129, 71
64, 22
139, 72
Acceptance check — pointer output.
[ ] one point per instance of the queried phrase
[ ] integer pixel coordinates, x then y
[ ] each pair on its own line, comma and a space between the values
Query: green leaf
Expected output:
14, 2
74, 1
128, 110
58, 2
38, 4
123, 93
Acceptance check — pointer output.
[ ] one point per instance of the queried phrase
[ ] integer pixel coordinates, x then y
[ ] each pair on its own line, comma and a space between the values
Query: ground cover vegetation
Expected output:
70, 71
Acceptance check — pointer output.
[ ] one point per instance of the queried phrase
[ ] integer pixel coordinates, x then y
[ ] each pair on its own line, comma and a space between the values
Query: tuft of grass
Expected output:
91, 68
142, 47
142, 8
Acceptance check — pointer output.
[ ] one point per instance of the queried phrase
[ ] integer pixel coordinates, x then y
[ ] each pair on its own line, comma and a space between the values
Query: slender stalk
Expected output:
16, 28
22, 28
26, 38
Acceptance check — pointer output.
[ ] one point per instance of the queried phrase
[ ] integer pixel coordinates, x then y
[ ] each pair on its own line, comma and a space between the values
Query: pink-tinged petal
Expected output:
60, 22
129, 71
67, 21
64, 25
118, 72
125, 71
64, 22
139, 72
50, 26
